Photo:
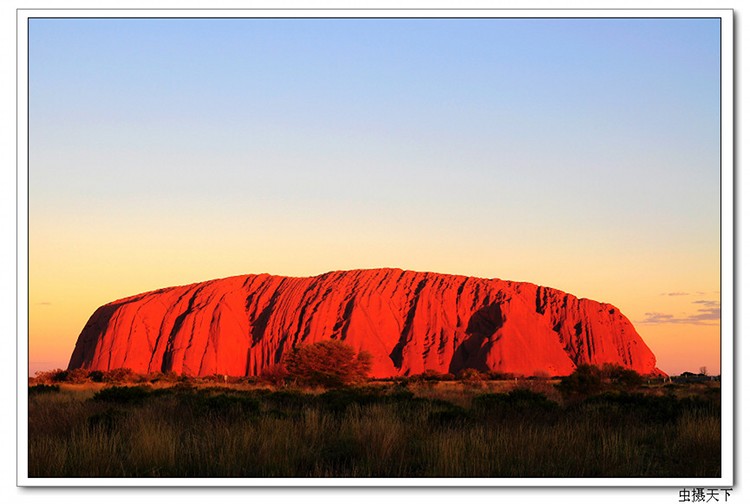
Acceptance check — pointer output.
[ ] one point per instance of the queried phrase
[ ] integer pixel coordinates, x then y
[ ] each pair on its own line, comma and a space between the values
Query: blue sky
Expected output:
582, 107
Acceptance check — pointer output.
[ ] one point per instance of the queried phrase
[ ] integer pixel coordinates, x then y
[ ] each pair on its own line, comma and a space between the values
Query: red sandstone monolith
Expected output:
409, 322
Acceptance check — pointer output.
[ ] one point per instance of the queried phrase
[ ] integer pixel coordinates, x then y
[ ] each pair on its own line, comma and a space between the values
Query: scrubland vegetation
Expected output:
425, 426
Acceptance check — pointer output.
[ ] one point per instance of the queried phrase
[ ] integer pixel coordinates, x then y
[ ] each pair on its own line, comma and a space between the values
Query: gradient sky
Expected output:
577, 154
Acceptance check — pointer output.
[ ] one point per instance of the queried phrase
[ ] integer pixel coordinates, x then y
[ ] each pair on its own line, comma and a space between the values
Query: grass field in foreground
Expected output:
502, 429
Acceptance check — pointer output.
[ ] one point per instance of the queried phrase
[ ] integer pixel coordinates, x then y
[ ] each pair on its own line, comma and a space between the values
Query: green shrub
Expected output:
330, 363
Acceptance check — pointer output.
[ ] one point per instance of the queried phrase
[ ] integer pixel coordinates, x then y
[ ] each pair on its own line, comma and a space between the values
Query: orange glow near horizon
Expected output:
68, 283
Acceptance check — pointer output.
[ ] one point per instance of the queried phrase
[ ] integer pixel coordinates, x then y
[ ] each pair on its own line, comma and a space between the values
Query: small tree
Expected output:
77, 375
275, 375
621, 377
59, 375
120, 375
330, 363
584, 381
628, 379
96, 376
469, 374
471, 378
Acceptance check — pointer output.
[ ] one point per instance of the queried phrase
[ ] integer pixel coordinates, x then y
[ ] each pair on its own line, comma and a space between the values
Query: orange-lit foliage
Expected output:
275, 375
328, 363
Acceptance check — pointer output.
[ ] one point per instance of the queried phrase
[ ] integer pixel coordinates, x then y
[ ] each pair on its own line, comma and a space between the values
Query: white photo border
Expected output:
728, 455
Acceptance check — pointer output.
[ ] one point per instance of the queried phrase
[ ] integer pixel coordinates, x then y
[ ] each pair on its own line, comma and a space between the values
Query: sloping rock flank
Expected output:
410, 322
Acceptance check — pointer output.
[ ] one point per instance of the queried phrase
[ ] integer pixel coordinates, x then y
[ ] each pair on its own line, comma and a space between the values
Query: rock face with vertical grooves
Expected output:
410, 322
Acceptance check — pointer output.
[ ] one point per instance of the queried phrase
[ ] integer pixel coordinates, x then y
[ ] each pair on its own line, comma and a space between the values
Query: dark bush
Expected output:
43, 389
179, 388
226, 405
495, 375
623, 407
341, 452
340, 399
586, 380
646, 408
286, 399
59, 376
519, 397
329, 363
628, 379
621, 377
108, 420
429, 376
96, 376
453, 416
123, 395
518, 403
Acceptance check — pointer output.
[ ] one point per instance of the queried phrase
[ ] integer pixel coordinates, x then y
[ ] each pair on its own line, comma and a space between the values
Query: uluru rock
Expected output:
408, 321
